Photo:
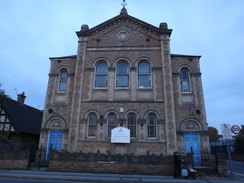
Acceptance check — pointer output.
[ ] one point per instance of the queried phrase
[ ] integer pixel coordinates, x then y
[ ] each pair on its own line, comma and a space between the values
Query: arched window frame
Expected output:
131, 124
122, 75
185, 80
111, 123
144, 75
101, 75
92, 126
151, 126
63, 80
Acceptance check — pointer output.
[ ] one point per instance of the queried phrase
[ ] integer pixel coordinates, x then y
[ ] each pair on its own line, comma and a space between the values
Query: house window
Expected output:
92, 125
151, 126
111, 123
185, 80
122, 75
131, 124
144, 75
101, 75
63, 78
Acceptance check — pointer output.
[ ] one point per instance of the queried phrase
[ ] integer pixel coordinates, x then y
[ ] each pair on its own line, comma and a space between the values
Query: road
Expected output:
10, 180
16, 176
238, 169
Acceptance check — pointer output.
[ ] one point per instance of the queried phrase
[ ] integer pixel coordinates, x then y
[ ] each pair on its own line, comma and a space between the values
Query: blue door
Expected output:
55, 142
192, 146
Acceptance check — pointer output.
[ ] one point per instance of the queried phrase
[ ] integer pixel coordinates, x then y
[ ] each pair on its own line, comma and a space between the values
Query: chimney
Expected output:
21, 98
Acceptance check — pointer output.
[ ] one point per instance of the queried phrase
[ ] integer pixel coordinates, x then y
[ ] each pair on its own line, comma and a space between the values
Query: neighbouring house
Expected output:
125, 78
19, 122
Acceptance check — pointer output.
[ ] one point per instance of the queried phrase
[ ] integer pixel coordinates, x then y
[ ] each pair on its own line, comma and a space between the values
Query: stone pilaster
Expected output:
77, 95
170, 122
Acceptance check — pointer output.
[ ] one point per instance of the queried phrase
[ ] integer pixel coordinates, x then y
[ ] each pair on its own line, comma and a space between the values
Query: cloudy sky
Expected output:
31, 31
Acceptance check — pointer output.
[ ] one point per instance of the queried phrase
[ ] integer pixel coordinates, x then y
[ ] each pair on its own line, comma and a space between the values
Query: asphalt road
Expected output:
10, 180
58, 177
238, 169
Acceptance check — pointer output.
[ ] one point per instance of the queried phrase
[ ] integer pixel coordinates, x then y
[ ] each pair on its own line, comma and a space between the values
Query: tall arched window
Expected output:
63, 78
144, 75
151, 126
122, 75
111, 123
131, 124
92, 125
101, 75
185, 80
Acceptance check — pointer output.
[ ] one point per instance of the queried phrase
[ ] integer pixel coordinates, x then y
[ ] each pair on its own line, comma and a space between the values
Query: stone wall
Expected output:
13, 164
14, 156
115, 164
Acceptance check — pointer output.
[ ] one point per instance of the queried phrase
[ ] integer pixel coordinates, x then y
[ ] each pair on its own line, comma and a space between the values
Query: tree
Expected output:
239, 141
2, 92
213, 134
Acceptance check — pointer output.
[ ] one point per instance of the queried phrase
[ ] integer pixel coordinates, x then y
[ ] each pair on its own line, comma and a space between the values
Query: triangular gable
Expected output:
5, 123
127, 20
24, 119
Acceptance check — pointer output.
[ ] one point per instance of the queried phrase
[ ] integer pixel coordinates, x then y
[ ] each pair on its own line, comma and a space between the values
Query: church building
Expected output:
125, 77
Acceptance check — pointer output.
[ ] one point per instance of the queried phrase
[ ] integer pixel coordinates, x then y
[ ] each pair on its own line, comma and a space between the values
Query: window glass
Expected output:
144, 75
151, 126
131, 122
185, 81
92, 125
111, 123
101, 75
63, 77
122, 75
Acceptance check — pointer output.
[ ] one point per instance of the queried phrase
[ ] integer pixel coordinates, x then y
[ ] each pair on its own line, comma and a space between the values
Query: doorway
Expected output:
55, 142
191, 141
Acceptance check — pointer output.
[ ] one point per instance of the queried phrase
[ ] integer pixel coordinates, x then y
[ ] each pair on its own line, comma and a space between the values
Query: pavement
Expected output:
109, 178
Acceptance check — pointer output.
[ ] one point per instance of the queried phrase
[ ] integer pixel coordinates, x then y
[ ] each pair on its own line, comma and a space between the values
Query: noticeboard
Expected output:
120, 135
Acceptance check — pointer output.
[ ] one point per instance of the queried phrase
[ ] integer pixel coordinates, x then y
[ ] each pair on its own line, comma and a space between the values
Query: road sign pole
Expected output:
229, 155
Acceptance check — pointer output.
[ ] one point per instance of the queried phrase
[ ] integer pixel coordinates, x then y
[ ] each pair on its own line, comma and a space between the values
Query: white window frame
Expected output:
126, 75
96, 75
140, 74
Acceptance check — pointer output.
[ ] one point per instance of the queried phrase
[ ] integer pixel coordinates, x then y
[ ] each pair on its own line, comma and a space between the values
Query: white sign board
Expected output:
226, 131
120, 135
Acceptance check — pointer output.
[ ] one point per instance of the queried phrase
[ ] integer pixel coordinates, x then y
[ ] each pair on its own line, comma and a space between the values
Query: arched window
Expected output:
111, 123
185, 80
122, 75
151, 126
131, 124
92, 125
101, 75
63, 79
144, 75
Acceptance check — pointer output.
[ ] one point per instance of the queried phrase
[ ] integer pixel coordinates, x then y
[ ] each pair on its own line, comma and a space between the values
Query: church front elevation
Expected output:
124, 76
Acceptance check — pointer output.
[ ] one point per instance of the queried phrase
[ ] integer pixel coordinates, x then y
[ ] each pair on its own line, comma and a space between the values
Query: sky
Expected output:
32, 31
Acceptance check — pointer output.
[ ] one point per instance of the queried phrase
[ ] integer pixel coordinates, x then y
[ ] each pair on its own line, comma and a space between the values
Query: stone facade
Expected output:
162, 111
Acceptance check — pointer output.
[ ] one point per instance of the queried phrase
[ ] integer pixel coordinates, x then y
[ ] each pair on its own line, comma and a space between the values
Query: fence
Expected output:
24, 156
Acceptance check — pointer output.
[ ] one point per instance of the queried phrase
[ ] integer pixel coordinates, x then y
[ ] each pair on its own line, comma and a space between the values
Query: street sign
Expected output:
226, 131
235, 129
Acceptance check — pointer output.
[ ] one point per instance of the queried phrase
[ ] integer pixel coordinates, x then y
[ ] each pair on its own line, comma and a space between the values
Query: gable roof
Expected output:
24, 118
124, 19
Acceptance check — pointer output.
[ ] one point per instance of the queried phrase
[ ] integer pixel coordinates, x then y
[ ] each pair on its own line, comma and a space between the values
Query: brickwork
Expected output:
117, 164
13, 164
125, 38
114, 168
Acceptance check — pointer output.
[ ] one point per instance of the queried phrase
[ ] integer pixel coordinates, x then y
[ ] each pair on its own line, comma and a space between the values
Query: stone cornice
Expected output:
125, 20
124, 48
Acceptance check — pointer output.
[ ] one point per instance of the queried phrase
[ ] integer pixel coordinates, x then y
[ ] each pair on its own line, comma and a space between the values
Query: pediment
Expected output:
124, 20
